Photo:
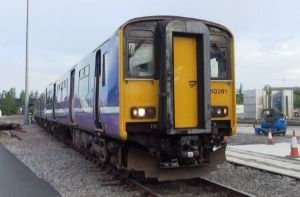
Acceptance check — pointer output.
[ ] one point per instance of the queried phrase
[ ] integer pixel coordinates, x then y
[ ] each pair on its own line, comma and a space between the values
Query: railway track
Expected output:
151, 188
193, 187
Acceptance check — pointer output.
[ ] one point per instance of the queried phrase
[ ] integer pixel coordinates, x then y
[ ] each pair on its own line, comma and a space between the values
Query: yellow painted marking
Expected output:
185, 82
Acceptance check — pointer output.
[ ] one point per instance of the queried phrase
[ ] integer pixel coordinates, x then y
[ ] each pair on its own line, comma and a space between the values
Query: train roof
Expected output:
169, 17
166, 17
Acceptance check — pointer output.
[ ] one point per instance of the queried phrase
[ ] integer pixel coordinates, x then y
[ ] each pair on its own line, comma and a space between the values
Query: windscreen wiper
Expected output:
137, 46
215, 46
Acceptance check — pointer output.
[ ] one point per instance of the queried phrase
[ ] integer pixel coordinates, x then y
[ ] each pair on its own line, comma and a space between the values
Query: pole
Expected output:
26, 115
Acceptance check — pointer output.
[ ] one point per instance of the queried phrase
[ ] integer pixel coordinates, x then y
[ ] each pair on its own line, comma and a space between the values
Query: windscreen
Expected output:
140, 59
219, 57
140, 50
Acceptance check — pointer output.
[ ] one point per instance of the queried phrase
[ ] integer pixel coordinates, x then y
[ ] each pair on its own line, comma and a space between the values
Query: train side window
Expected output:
57, 93
49, 99
67, 87
64, 89
61, 92
104, 64
98, 63
83, 83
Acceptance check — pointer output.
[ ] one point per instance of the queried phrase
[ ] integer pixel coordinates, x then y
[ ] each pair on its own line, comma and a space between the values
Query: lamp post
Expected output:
26, 115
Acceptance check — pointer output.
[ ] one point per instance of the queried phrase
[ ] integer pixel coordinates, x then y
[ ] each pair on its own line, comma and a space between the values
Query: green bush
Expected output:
8, 104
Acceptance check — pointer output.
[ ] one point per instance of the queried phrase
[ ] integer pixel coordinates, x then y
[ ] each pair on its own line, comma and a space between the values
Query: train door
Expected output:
185, 82
97, 90
54, 100
183, 56
45, 105
71, 99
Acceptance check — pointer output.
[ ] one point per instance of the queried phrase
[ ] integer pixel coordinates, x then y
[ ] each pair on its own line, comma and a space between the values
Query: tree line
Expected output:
10, 104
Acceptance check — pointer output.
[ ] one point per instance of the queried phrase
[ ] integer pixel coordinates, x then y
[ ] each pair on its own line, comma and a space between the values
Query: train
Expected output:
156, 99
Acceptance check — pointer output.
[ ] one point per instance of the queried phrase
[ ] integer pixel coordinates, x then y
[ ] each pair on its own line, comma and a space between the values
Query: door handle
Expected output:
192, 83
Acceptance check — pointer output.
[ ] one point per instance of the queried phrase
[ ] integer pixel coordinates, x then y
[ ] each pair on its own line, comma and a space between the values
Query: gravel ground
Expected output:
256, 182
253, 181
72, 175
65, 169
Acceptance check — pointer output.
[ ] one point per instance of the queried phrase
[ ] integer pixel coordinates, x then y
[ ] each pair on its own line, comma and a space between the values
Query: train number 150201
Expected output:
218, 91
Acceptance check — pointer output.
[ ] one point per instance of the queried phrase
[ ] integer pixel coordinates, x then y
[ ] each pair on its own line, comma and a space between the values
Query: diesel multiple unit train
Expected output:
157, 98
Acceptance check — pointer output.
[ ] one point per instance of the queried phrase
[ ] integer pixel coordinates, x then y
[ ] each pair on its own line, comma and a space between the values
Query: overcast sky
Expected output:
61, 32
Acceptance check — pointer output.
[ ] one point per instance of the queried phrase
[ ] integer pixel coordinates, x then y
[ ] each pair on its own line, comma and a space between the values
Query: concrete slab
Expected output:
16, 179
271, 158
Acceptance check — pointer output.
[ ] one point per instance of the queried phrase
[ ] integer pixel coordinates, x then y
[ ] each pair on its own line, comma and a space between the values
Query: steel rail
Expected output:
229, 191
203, 184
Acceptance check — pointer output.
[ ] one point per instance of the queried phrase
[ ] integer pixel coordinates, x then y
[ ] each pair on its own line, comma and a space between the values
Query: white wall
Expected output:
240, 111
253, 103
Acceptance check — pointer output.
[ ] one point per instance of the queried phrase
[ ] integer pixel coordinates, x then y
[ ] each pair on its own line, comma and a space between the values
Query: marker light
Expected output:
142, 112
135, 112
219, 111
225, 111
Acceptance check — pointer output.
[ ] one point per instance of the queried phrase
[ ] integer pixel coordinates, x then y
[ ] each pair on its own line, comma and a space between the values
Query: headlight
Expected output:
219, 111
142, 112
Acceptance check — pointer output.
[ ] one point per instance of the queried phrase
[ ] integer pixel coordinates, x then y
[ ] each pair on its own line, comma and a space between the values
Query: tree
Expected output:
8, 104
31, 95
22, 97
240, 95
297, 97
